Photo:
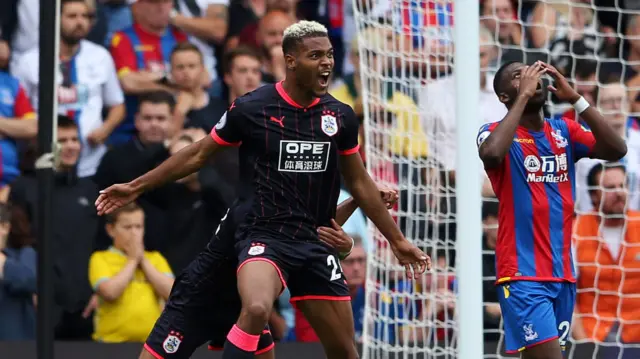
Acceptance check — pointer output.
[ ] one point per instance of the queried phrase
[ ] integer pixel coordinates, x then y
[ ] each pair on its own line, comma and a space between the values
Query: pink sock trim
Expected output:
242, 340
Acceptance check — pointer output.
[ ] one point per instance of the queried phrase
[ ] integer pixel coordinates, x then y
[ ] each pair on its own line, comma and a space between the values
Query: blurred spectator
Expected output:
88, 82
74, 224
22, 27
245, 14
606, 252
242, 72
142, 54
400, 115
501, 18
612, 102
17, 276
146, 150
584, 76
249, 36
354, 268
440, 122
132, 283
195, 205
17, 121
269, 40
117, 15
195, 108
207, 23
492, 313
568, 28
8, 18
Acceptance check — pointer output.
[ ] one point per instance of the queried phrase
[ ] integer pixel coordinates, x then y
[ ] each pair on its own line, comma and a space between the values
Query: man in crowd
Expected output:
74, 231
144, 151
606, 252
195, 108
141, 54
17, 121
88, 84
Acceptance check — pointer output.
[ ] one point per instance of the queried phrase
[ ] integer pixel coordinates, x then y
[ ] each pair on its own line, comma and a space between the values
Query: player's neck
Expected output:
296, 93
532, 121
67, 51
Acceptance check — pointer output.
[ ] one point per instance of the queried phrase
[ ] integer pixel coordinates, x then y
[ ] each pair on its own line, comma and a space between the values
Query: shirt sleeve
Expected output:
161, 264
123, 54
98, 270
483, 133
347, 140
20, 272
582, 139
22, 106
111, 90
228, 131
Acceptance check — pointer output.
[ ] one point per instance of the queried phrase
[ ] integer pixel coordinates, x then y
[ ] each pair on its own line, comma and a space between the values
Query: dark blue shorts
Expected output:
536, 312
203, 306
310, 269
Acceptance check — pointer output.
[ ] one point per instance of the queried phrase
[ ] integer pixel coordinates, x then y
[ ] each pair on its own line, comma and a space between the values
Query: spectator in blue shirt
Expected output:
17, 276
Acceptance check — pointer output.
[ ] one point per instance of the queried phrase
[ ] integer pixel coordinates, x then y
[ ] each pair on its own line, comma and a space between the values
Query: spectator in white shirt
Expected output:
206, 21
613, 102
87, 83
438, 101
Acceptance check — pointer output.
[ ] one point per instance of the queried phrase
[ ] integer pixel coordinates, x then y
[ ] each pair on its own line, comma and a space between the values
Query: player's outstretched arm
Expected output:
349, 205
185, 162
366, 194
609, 145
495, 147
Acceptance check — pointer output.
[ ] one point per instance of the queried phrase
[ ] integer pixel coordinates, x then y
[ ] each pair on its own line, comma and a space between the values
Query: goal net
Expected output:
406, 67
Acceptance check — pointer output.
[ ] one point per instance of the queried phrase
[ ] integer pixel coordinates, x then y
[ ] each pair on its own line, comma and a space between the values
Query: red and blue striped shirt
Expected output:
535, 185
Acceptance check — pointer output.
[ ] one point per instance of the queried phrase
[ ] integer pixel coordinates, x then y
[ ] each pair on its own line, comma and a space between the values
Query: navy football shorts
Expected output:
203, 306
310, 269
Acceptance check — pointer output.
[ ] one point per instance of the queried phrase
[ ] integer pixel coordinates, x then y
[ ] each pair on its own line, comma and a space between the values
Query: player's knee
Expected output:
258, 310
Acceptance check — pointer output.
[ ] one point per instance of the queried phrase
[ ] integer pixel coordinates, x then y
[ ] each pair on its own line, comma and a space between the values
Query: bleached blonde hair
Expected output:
294, 34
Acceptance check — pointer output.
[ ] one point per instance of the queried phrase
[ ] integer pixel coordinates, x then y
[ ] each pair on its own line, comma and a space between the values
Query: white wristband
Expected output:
581, 105
345, 255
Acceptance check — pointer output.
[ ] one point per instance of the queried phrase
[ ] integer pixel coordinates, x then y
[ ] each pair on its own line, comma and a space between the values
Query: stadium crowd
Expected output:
142, 79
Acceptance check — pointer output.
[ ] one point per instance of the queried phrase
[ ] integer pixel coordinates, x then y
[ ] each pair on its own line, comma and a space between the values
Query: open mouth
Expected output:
323, 78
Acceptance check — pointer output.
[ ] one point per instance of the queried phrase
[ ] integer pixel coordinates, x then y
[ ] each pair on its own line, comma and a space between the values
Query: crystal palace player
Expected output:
204, 303
293, 138
530, 162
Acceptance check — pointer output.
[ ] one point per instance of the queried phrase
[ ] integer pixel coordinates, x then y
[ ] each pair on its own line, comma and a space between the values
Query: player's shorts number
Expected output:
222, 221
335, 271
563, 328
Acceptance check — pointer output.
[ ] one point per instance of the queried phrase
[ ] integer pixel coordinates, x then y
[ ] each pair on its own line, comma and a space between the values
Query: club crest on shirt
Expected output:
222, 121
172, 342
329, 123
561, 142
256, 249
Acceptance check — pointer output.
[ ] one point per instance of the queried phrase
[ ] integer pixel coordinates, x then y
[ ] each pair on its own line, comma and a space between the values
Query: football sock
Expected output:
240, 345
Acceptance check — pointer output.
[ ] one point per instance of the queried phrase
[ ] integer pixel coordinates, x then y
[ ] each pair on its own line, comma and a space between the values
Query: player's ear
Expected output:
290, 61
504, 97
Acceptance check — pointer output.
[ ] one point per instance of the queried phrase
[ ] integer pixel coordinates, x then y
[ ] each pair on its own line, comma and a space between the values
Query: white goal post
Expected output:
423, 102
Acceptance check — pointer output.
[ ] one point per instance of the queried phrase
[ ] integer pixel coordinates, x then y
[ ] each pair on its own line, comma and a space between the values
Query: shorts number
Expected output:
564, 329
332, 262
222, 220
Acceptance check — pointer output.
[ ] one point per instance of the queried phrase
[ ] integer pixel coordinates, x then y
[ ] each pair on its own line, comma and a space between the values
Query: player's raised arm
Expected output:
183, 163
366, 194
346, 208
608, 144
495, 145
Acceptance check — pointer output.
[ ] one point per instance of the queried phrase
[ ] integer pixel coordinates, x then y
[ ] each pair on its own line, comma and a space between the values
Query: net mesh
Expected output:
406, 65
